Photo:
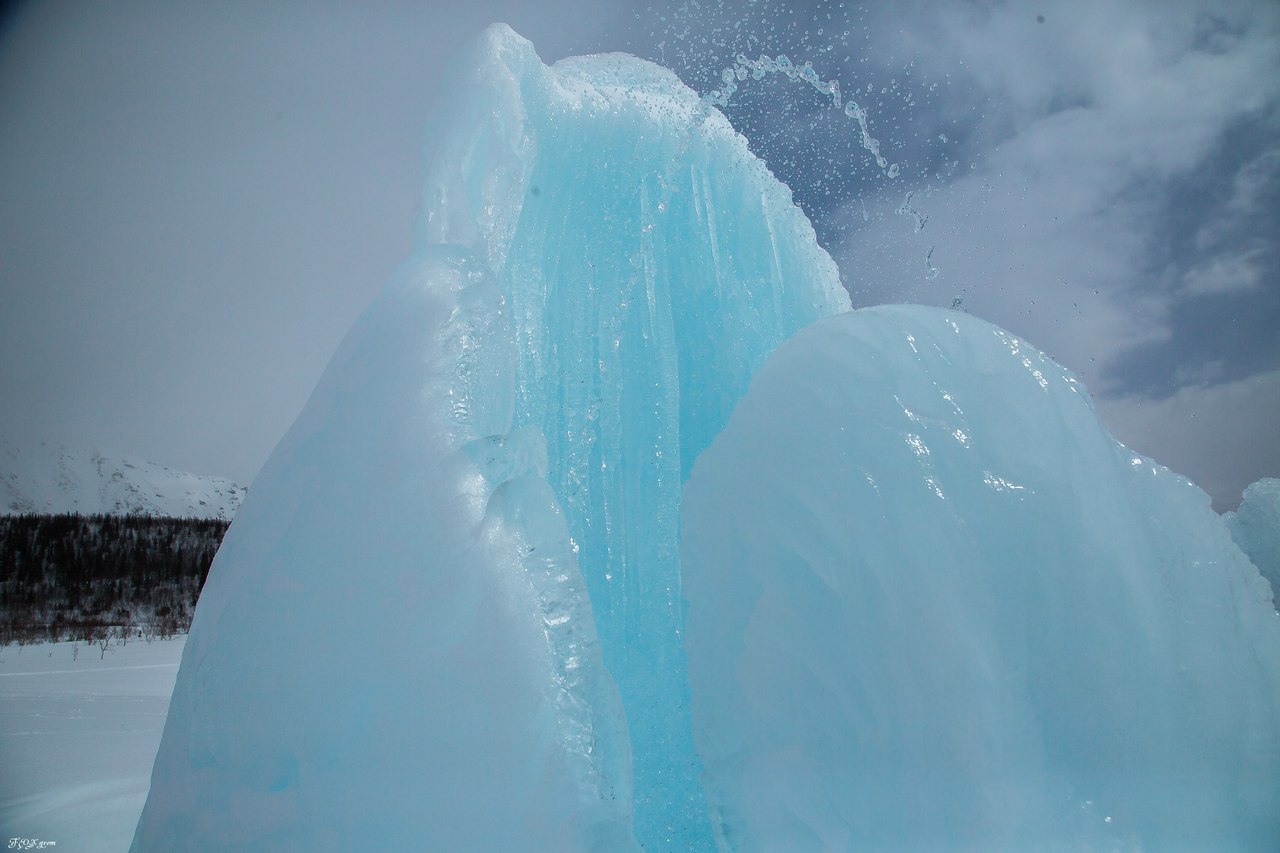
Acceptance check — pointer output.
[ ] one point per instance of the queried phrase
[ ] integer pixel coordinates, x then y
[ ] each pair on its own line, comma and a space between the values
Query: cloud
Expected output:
1115, 202
1238, 246
1227, 273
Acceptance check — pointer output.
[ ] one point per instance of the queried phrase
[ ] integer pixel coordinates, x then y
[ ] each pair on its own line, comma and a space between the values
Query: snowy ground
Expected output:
77, 739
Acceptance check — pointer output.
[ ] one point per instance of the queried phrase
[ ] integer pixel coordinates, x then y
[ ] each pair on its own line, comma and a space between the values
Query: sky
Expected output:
197, 200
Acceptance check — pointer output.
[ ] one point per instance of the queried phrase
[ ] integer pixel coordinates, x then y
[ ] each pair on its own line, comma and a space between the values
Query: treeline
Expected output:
74, 577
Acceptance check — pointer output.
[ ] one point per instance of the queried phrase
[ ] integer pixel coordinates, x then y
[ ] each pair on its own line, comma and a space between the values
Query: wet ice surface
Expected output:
77, 739
934, 605
1255, 526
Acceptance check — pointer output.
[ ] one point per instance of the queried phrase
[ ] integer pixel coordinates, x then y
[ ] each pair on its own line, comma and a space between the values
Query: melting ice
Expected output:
929, 600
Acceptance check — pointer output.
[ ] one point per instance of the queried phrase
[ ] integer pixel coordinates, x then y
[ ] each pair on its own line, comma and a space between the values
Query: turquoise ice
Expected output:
601, 266
649, 264
934, 606
1255, 526
451, 613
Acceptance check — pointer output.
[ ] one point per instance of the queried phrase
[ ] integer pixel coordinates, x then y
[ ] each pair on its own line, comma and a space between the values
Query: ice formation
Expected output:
1255, 526
400, 611
933, 605
394, 649
931, 601
650, 263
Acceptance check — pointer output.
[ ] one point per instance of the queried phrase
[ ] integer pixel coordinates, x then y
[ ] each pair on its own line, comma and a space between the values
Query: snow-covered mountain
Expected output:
54, 479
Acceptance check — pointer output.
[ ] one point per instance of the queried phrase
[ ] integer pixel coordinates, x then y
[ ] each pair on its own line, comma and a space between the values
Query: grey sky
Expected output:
198, 199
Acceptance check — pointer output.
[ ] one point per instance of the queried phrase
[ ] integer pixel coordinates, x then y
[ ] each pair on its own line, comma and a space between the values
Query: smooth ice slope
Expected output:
481, 717
602, 264
650, 263
1255, 526
933, 605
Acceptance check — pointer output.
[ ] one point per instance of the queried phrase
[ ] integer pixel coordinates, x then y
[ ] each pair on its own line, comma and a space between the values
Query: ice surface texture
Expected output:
650, 264
378, 659
601, 267
934, 605
931, 603
1255, 526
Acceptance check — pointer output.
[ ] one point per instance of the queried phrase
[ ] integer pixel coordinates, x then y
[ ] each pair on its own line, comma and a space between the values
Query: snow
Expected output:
934, 605
56, 479
77, 739
1255, 526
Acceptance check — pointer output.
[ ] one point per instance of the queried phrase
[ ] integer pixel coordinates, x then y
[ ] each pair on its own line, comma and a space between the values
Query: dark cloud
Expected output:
1123, 218
1216, 248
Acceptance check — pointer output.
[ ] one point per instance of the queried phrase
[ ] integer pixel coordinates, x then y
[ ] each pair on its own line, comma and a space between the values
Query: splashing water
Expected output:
804, 73
906, 209
765, 65
762, 63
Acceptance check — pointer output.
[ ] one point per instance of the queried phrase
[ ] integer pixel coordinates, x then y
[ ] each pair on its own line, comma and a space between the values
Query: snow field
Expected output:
78, 734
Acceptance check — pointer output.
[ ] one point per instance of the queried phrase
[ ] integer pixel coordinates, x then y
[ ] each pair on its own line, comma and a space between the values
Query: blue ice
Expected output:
929, 600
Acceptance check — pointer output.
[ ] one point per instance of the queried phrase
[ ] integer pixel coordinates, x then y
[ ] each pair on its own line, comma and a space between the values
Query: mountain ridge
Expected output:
53, 478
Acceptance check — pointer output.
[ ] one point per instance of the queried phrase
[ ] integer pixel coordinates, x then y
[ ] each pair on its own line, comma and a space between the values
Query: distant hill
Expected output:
52, 479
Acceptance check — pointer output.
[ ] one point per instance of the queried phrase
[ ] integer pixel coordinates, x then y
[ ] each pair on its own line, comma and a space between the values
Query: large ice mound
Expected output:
404, 639
933, 605
1255, 525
